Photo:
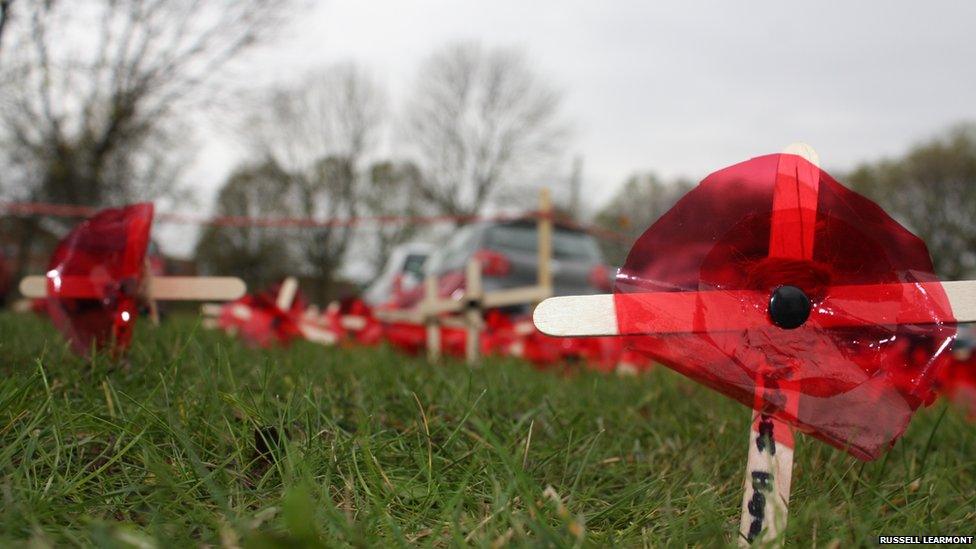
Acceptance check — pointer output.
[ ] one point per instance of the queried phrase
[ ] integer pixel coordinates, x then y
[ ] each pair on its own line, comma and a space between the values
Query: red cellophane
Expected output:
843, 376
257, 319
94, 276
958, 383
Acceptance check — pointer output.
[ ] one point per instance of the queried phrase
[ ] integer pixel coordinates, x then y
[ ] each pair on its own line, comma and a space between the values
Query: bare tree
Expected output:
477, 119
391, 189
5, 11
257, 254
321, 130
334, 111
92, 116
636, 206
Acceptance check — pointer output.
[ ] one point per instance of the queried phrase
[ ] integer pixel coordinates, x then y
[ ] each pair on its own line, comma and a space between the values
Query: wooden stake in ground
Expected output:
430, 319
545, 242
473, 316
769, 468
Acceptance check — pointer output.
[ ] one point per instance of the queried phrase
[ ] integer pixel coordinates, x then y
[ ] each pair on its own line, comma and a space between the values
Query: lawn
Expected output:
198, 440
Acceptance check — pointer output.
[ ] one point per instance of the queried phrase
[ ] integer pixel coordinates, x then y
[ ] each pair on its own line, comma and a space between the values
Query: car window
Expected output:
456, 251
414, 264
566, 243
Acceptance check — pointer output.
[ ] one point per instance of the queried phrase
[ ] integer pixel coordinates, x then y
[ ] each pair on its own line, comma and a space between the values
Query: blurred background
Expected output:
386, 116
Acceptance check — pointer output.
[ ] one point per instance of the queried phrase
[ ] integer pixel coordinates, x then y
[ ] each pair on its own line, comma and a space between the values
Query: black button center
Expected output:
789, 307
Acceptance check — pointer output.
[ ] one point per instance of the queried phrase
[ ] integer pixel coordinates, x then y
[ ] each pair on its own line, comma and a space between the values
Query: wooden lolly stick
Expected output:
354, 323
460, 322
287, 293
544, 228
490, 300
598, 315
211, 309
317, 334
577, 316
409, 316
436, 306
430, 320
162, 288
516, 296
769, 468
193, 288
472, 313
147, 291
315, 329
241, 311
769, 475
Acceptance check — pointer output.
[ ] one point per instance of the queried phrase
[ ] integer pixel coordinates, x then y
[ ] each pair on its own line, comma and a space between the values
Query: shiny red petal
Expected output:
855, 387
104, 255
257, 319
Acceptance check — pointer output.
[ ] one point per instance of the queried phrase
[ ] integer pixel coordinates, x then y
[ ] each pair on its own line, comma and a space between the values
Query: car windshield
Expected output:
414, 264
454, 252
566, 243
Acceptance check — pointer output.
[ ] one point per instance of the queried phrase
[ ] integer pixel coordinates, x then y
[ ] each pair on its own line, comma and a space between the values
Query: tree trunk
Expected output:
28, 231
324, 287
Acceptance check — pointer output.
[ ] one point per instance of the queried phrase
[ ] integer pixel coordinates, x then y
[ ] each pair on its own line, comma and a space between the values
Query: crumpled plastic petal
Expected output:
371, 330
957, 381
852, 386
94, 277
505, 334
409, 338
257, 319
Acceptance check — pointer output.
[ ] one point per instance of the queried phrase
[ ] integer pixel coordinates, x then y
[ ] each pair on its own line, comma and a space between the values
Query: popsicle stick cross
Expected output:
792, 229
434, 311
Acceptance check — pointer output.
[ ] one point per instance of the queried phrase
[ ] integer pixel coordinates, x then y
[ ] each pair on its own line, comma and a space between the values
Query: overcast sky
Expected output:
679, 88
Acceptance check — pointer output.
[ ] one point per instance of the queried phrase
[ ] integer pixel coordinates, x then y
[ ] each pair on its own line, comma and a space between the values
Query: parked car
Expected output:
403, 273
508, 252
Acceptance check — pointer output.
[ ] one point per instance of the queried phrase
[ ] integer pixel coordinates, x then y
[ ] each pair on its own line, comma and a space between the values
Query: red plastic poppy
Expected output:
453, 341
855, 369
257, 319
598, 353
958, 383
517, 336
501, 335
370, 330
409, 338
94, 276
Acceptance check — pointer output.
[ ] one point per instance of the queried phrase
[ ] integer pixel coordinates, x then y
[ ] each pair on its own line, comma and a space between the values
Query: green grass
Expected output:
197, 440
